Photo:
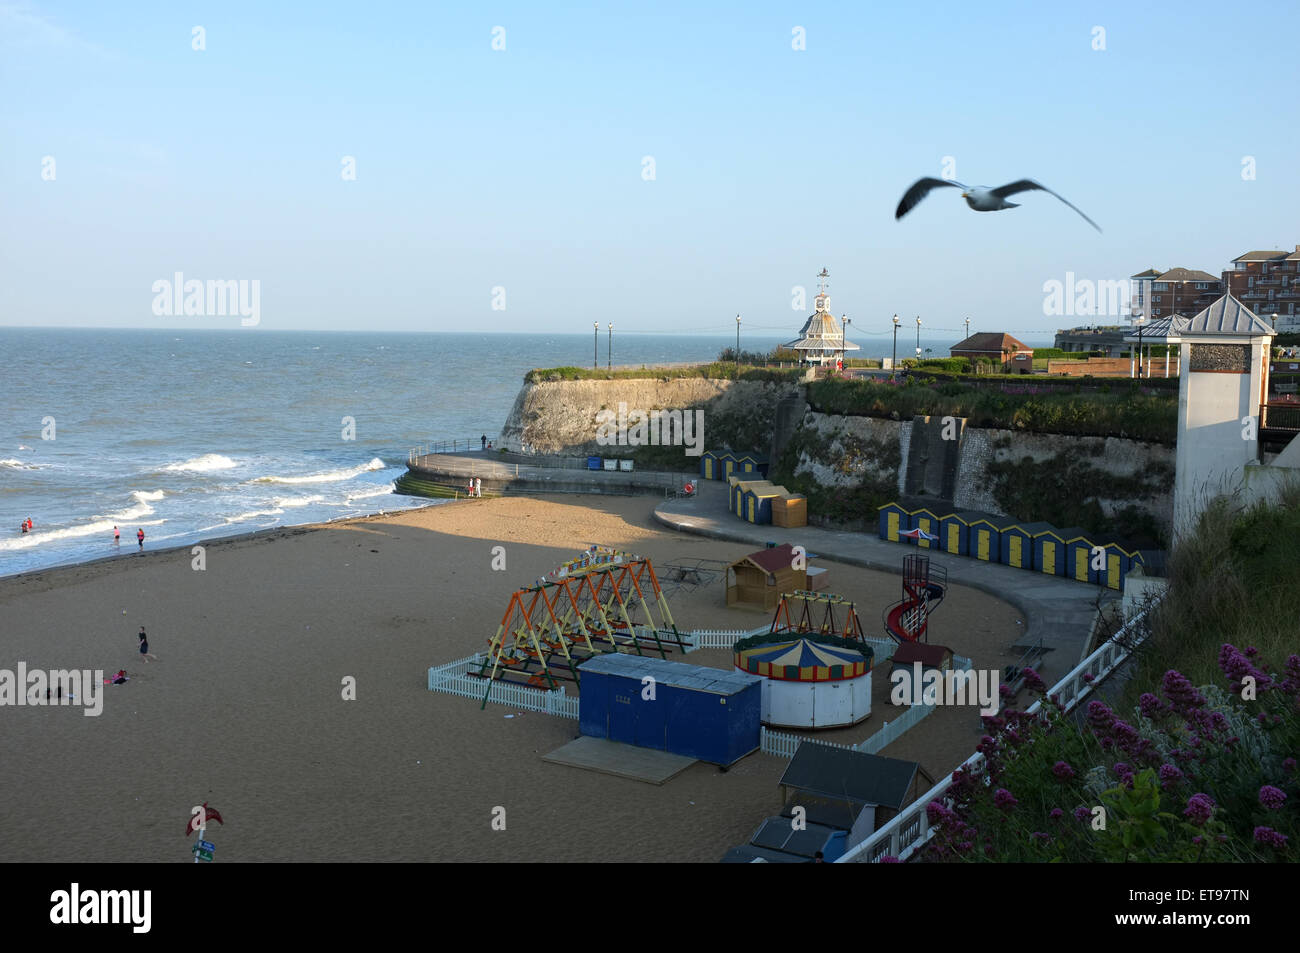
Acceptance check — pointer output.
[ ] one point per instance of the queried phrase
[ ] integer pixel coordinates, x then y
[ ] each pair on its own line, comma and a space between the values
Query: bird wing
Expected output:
1029, 185
919, 190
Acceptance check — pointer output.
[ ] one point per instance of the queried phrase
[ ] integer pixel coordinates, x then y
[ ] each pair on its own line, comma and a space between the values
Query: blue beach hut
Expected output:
1078, 556
1049, 549
750, 464
710, 468
1017, 543
1116, 560
954, 532
726, 460
892, 519
927, 521
757, 501
985, 537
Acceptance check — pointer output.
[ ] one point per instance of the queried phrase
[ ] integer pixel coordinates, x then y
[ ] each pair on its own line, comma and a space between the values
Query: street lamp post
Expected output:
1140, 322
595, 344
844, 340
893, 364
918, 337
609, 354
968, 327
737, 345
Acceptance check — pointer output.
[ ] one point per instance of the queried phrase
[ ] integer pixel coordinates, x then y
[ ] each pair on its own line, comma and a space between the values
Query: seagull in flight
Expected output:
981, 199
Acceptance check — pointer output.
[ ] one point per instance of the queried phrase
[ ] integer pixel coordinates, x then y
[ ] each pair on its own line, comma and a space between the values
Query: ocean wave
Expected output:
12, 464
99, 527
370, 494
332, 476
290, 501
250, 515
147, 496
209, 461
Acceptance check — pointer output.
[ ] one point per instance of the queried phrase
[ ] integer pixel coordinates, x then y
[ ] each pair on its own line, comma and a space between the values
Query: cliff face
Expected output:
561, 416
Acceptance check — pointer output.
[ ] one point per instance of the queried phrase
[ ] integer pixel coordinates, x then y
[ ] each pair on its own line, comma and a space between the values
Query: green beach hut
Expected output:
892, 518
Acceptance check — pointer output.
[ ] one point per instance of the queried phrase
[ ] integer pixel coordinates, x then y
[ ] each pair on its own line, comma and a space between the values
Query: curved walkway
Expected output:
1061, 611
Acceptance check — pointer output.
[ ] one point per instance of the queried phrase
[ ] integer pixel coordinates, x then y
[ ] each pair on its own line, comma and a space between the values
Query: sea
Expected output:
198, 434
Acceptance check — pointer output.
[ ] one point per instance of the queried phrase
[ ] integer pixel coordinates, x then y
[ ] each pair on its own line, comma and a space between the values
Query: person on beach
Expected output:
144, 647
484, 439
478, 486
139, 538
22, 527
29, 524
117, 537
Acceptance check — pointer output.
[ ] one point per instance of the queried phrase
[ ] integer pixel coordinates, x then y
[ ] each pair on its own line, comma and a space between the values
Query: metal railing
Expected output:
1279, 417
906, 833
455, 445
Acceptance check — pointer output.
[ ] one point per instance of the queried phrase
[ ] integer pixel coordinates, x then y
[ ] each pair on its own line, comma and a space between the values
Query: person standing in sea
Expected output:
117, 537
139, 537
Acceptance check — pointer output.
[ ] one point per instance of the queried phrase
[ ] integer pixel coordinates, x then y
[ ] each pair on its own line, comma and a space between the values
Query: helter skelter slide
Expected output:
923, 589
600, 601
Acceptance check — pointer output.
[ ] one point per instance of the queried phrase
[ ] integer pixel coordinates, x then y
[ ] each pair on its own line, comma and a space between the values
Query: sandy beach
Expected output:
244, 708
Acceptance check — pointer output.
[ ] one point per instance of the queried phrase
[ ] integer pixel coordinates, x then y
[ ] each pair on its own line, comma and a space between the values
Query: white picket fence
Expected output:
453, 679
718, 638
785, 745
906, 833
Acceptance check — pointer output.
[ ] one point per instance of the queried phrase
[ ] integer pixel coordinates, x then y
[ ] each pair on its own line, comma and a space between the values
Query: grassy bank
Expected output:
1198, 761
1131, 411
715, 371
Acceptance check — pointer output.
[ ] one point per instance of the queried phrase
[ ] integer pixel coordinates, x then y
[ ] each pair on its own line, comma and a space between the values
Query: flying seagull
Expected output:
980, 199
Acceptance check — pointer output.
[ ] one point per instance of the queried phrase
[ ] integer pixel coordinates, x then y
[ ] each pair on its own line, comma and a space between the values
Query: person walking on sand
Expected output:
144, 647
139, 538
478, 486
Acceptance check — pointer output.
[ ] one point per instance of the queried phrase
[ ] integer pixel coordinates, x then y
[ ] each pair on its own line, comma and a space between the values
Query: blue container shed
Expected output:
892, 519
954, 532
593, 463
699, 712
1017, 543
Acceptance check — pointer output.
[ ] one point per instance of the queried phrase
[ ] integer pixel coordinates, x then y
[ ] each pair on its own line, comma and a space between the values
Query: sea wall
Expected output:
849, 465
561, 416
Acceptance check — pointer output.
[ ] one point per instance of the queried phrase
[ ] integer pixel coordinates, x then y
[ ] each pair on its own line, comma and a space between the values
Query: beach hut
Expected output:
1078, 556
738, 494
1117, 559
807, 682
985, 537
927, 522
750, 464
790, 511
727, 460
893, 517
758, 502
757, 580
1017, 543
850, 790
1049, 549
699, 712
710, 467
954, 531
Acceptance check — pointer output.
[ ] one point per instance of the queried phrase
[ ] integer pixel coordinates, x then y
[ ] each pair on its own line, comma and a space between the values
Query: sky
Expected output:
662, 166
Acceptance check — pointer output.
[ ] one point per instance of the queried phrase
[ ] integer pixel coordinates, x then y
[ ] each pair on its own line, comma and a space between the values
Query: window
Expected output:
1202, 285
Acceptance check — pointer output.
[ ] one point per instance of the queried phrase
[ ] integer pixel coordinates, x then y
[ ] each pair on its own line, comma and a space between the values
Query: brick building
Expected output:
1176, 291
1268, 282
1001, 349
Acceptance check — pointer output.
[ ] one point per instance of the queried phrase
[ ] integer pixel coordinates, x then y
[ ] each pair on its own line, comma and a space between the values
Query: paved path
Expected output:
1060, 610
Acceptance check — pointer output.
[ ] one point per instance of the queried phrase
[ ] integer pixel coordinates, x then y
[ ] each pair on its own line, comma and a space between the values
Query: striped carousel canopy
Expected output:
804, 660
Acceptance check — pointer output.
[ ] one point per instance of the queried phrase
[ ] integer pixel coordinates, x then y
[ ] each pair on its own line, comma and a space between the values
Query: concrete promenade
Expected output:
1061, 611
508, 476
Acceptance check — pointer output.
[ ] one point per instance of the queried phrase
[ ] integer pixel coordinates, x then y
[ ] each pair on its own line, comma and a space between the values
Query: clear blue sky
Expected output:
522, 168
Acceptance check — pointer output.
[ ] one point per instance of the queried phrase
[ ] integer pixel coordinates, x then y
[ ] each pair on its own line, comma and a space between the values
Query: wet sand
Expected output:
244, 706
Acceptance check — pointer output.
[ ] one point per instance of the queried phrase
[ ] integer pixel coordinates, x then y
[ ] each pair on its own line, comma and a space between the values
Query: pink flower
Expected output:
1199, 808
1271, 797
